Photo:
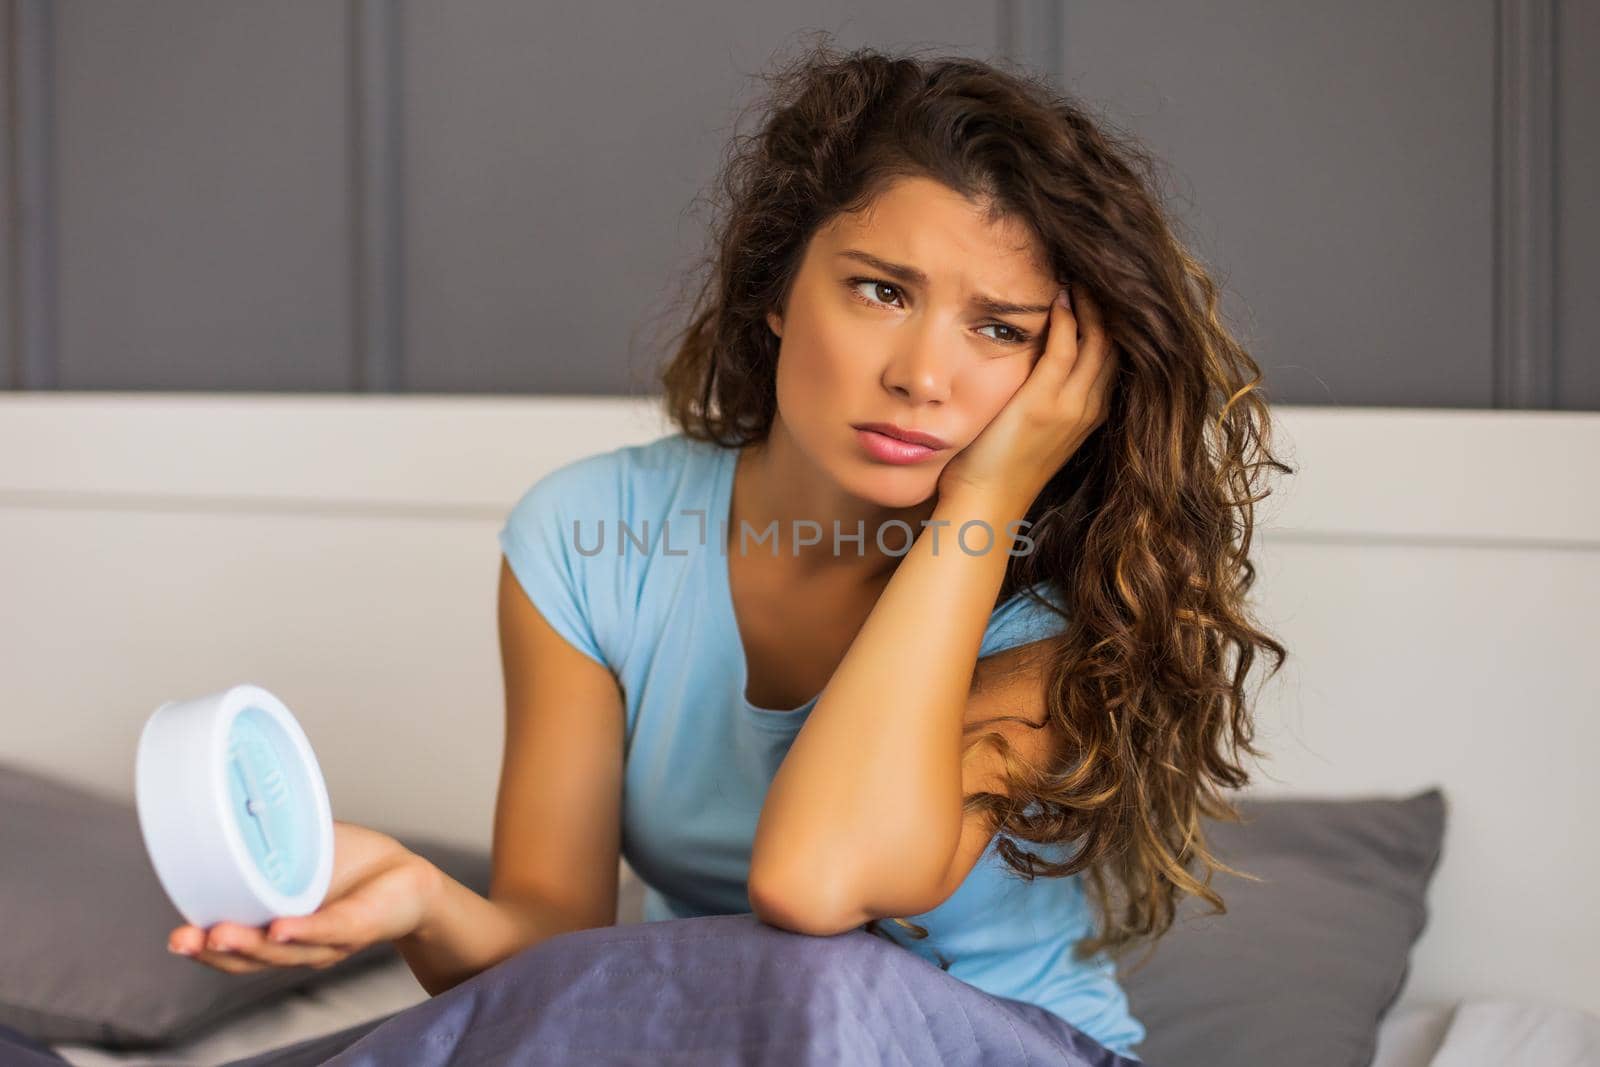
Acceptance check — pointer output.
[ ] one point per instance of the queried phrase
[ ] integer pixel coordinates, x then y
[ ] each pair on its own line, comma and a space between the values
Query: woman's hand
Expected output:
379, 892
1063, 400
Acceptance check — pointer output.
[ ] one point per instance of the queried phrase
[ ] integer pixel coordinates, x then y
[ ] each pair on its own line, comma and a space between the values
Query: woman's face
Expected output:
866, 342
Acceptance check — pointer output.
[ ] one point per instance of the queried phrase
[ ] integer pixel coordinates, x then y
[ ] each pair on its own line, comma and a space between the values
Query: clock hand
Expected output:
250, 792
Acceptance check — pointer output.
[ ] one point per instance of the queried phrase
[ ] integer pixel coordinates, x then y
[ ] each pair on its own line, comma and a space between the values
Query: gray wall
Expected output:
496, 196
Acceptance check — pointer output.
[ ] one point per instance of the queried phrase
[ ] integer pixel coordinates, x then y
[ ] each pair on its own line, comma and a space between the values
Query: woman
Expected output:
974, 696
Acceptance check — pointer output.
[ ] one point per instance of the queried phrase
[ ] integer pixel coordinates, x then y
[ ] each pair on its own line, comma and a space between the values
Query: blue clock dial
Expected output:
271, 803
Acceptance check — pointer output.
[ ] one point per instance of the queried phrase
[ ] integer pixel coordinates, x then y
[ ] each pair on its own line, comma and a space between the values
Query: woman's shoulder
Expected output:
640, 488
562, 539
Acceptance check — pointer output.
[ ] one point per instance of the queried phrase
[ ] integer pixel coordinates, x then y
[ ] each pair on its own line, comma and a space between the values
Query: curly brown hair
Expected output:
1146, 529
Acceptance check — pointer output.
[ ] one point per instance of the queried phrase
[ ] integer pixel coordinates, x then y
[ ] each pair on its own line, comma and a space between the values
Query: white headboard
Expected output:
1434, 574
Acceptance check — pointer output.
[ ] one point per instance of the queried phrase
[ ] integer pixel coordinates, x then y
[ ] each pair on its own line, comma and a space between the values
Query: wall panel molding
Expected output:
32, 333
1030, 32
1524, 201
377, 211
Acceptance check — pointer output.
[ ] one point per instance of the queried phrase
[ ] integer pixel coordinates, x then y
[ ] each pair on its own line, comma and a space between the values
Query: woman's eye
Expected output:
1011, 335
857, 283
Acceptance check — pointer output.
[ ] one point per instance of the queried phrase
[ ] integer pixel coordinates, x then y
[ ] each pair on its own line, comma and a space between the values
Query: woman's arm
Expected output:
463, 933
557, 824
558, 812
870, 793
867, 806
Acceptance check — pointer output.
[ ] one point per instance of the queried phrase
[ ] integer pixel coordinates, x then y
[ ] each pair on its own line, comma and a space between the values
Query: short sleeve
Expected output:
1021, 619
541, 547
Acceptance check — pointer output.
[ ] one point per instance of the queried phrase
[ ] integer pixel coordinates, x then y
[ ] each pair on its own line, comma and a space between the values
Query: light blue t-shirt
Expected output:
641, 586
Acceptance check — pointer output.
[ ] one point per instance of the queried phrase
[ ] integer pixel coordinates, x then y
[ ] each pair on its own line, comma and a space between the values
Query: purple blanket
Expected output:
723, 989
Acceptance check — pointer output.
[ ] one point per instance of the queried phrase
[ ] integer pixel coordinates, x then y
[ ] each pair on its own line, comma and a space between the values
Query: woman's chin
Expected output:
898, 487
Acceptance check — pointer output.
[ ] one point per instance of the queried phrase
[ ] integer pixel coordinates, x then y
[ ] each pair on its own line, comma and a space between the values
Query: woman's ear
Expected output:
775, 323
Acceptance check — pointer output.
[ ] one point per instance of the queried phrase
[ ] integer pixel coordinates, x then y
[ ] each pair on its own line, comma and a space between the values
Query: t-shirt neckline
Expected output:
778, 719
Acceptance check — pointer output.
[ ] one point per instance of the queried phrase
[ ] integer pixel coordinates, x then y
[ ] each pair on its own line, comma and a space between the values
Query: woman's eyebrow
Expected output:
913, 276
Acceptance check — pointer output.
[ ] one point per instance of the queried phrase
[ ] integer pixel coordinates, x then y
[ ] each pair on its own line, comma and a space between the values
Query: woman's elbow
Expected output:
800, 907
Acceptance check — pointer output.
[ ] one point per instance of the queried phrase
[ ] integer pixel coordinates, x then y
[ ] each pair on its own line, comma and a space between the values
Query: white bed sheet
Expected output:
1507, 1033
1488, 1033
1410, 1035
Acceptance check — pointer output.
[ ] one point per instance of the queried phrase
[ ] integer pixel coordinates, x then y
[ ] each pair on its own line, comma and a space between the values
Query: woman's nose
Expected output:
919, 369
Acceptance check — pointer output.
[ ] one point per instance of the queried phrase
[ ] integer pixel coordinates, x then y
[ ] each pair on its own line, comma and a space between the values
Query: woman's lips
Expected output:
888, 449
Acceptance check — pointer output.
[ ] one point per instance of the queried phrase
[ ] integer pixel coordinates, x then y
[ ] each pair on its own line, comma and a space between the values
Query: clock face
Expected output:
271, 801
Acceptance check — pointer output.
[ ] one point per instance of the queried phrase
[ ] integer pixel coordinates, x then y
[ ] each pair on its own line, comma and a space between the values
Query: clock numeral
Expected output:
276, 788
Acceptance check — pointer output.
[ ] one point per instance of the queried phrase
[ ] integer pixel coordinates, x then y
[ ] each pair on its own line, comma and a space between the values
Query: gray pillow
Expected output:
86, 924
1304, 965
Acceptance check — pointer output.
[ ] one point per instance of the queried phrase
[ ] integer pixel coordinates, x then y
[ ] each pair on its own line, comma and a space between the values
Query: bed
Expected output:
1432, 572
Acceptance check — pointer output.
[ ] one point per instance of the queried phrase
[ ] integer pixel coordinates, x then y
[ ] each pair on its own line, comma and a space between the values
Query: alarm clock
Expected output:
233, 808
